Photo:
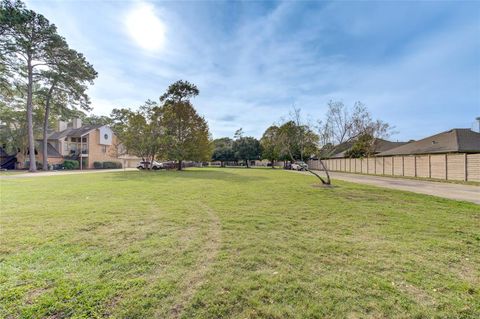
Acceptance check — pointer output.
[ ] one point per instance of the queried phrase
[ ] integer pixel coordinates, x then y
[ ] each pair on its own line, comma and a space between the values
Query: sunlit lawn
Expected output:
12, 172
232, 243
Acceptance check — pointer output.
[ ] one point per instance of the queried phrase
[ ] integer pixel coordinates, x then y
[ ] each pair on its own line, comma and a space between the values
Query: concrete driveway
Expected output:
469, 193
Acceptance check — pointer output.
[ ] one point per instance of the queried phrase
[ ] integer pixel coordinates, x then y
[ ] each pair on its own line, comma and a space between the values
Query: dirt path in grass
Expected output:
195, 278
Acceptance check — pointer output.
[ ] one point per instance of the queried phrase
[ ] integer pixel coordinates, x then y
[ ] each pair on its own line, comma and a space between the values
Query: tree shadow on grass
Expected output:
185, 174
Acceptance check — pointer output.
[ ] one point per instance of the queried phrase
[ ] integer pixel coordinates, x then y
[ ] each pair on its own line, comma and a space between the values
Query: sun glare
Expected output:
145, 28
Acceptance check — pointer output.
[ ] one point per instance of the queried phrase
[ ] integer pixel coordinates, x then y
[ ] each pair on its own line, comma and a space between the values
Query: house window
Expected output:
104, 148
84, 140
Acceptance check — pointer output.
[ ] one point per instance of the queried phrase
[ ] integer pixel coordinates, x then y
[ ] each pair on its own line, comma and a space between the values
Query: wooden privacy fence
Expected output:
459, 167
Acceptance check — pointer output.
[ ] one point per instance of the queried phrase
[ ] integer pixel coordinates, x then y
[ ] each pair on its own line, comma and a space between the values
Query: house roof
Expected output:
380, 145
51, 151
453, 141
75, 132
328, 151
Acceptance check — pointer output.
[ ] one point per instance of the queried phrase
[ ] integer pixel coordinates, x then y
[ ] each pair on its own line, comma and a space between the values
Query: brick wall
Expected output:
101, 153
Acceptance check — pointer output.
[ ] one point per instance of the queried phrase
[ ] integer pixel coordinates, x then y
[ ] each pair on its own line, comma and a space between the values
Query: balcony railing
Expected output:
77, 152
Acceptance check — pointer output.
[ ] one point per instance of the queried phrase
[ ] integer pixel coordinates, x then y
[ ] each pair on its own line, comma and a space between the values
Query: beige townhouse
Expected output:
92, 143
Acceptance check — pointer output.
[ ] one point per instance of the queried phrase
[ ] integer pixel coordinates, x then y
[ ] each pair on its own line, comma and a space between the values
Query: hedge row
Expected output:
100, 165
71, 164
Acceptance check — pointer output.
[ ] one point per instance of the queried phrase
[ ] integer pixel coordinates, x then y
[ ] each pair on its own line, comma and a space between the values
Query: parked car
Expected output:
299, 166
169, 165
155, 165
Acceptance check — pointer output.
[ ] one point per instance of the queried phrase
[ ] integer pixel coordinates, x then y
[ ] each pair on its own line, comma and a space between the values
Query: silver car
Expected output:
155, 165
299, 166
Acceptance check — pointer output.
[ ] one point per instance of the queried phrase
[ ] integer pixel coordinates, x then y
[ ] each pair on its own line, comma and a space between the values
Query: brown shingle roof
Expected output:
380, 145
76, 132
453, 141
51, 151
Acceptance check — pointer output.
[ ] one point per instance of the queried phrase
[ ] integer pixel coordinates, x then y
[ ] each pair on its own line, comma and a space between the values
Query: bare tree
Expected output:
342, 124
298, 140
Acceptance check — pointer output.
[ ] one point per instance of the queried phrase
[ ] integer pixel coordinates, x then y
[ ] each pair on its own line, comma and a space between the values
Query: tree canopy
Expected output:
37, 64
179, 91
223, 150
271, 144
140, 132
186, 133
247, 149
172, 130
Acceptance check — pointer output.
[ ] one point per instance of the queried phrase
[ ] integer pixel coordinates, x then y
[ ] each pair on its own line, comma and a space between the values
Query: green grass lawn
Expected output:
232, 243
12, 172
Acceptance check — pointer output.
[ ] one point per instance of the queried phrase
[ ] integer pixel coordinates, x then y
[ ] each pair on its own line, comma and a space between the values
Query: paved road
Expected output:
469, 193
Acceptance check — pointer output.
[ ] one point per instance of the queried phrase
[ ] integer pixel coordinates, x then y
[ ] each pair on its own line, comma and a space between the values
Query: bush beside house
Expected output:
107, 165
71, 164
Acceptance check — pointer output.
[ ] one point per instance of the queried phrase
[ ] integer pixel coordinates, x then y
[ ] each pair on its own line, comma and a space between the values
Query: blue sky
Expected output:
415, 65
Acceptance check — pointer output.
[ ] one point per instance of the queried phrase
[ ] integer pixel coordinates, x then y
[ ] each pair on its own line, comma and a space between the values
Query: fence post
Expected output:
466, 167
429, 166
403, 165
383, 166
414, 165
446, 167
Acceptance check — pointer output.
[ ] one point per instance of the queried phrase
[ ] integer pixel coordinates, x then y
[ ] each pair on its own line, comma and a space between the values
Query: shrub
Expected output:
39, 165
97, 165
112, 165
71, 164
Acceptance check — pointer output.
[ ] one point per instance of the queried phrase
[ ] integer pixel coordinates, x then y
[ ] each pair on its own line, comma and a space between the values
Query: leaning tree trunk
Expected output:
31, 140
273, 164
45, 135
246, 162
45, 128
324, 182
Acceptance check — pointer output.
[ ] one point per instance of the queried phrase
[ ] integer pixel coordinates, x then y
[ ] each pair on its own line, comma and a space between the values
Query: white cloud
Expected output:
145, 28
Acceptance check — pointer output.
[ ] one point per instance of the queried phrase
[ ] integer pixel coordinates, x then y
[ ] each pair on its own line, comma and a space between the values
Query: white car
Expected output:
155, 165
299, 166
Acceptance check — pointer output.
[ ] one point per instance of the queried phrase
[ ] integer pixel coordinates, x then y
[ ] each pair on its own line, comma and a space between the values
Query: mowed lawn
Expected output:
232, 243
